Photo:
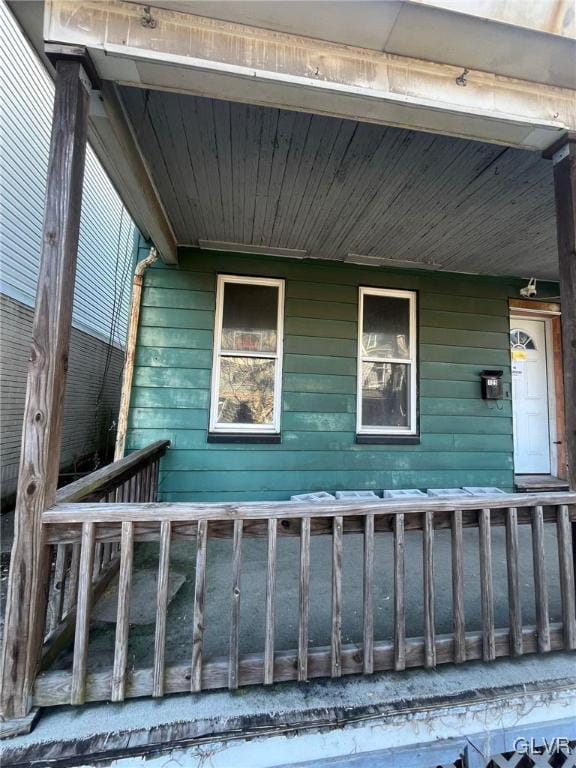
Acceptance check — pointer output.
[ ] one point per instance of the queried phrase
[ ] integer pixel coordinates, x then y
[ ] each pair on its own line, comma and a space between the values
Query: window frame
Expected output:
215, 428
412, 362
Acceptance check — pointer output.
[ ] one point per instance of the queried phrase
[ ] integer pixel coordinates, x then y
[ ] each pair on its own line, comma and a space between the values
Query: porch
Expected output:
290, 591
273, 590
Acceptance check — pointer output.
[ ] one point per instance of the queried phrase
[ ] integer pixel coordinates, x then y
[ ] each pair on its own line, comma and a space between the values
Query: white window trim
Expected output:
412, 429
273, 428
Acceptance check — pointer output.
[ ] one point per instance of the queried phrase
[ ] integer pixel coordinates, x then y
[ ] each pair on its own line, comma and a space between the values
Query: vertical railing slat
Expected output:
368, 608
566, 565
123, 613
199, 605
56, 600
458, 614
133, 484
540, 580
108, 548
486, 587
80, 661
150, 496
161, 609
98, 554
514, 598
399, 595
147, 483
235, 617
72, 591
428, 572
154, 485
336, 634
270, 602
304, 600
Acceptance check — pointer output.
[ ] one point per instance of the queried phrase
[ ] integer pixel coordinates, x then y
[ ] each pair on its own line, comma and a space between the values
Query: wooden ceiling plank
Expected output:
377, 210
270, 177
282, 141
205, 137
223, 161
269, 128
121, 156
293, 163
251, 163
337, 136
310, 156
361, 149
177, 161
145, 134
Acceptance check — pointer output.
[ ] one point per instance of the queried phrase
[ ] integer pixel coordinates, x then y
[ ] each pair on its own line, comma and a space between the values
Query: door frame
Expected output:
550, 313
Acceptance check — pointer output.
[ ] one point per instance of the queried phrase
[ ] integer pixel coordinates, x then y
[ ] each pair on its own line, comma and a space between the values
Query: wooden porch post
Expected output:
564, 160
40, 452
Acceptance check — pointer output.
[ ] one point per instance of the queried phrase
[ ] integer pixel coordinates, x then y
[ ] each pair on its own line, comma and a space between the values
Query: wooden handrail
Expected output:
112, 475
92, 528
189, 512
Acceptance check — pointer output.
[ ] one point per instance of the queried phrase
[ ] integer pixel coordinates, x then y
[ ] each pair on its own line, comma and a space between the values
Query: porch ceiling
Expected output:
283, 179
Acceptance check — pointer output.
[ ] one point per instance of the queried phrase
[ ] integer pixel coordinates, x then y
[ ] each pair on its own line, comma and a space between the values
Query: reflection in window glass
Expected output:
387, 362
386, 327
246, 390
247, 355
385, 394
249, 317
521, 340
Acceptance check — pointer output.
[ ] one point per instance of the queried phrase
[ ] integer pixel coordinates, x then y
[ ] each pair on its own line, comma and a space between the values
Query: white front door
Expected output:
530, 396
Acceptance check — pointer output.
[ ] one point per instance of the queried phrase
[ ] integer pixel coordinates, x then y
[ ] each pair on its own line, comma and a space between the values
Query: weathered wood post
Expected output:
40, 453
564, 161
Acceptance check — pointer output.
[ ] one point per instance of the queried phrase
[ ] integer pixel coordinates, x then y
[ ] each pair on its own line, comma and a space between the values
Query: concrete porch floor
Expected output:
253, 590
414, 719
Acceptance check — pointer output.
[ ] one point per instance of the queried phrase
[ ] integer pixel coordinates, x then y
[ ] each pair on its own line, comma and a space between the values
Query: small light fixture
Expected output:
529, 291
147, 20
461, 79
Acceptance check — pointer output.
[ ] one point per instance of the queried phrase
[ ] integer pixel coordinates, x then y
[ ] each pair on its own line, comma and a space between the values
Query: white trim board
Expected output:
277, 356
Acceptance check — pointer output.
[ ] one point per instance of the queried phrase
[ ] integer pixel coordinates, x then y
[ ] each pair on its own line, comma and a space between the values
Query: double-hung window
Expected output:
247, 367
387, 358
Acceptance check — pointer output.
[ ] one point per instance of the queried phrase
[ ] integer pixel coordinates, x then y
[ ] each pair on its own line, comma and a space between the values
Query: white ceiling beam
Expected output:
119, 153
194, 54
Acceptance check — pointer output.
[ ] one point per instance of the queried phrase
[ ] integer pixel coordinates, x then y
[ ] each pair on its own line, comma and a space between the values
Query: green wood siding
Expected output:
463, 328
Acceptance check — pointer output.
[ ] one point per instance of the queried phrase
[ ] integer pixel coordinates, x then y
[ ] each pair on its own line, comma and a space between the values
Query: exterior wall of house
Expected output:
91, 400
106, 243
106, 258
463, 329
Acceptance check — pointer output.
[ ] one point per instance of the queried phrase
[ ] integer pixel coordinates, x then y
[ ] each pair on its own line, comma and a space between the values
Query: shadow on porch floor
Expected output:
253, 592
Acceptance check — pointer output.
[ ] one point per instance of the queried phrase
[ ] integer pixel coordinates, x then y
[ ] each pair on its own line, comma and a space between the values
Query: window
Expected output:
247, 367
387, 362
521, 340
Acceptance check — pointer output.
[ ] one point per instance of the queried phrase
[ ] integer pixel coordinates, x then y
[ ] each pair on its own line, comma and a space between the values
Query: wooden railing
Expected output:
132, 479
98, 525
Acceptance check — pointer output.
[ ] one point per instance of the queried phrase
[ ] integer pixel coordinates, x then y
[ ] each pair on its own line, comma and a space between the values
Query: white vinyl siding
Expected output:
106, 247
90, 403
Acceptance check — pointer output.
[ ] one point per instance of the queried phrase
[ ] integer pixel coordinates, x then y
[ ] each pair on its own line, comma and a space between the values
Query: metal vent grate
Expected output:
536, 759
555, 756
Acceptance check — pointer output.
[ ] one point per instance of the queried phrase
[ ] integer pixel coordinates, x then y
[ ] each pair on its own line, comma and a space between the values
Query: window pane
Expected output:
386, 327
385, 395
249, 318
246, 391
